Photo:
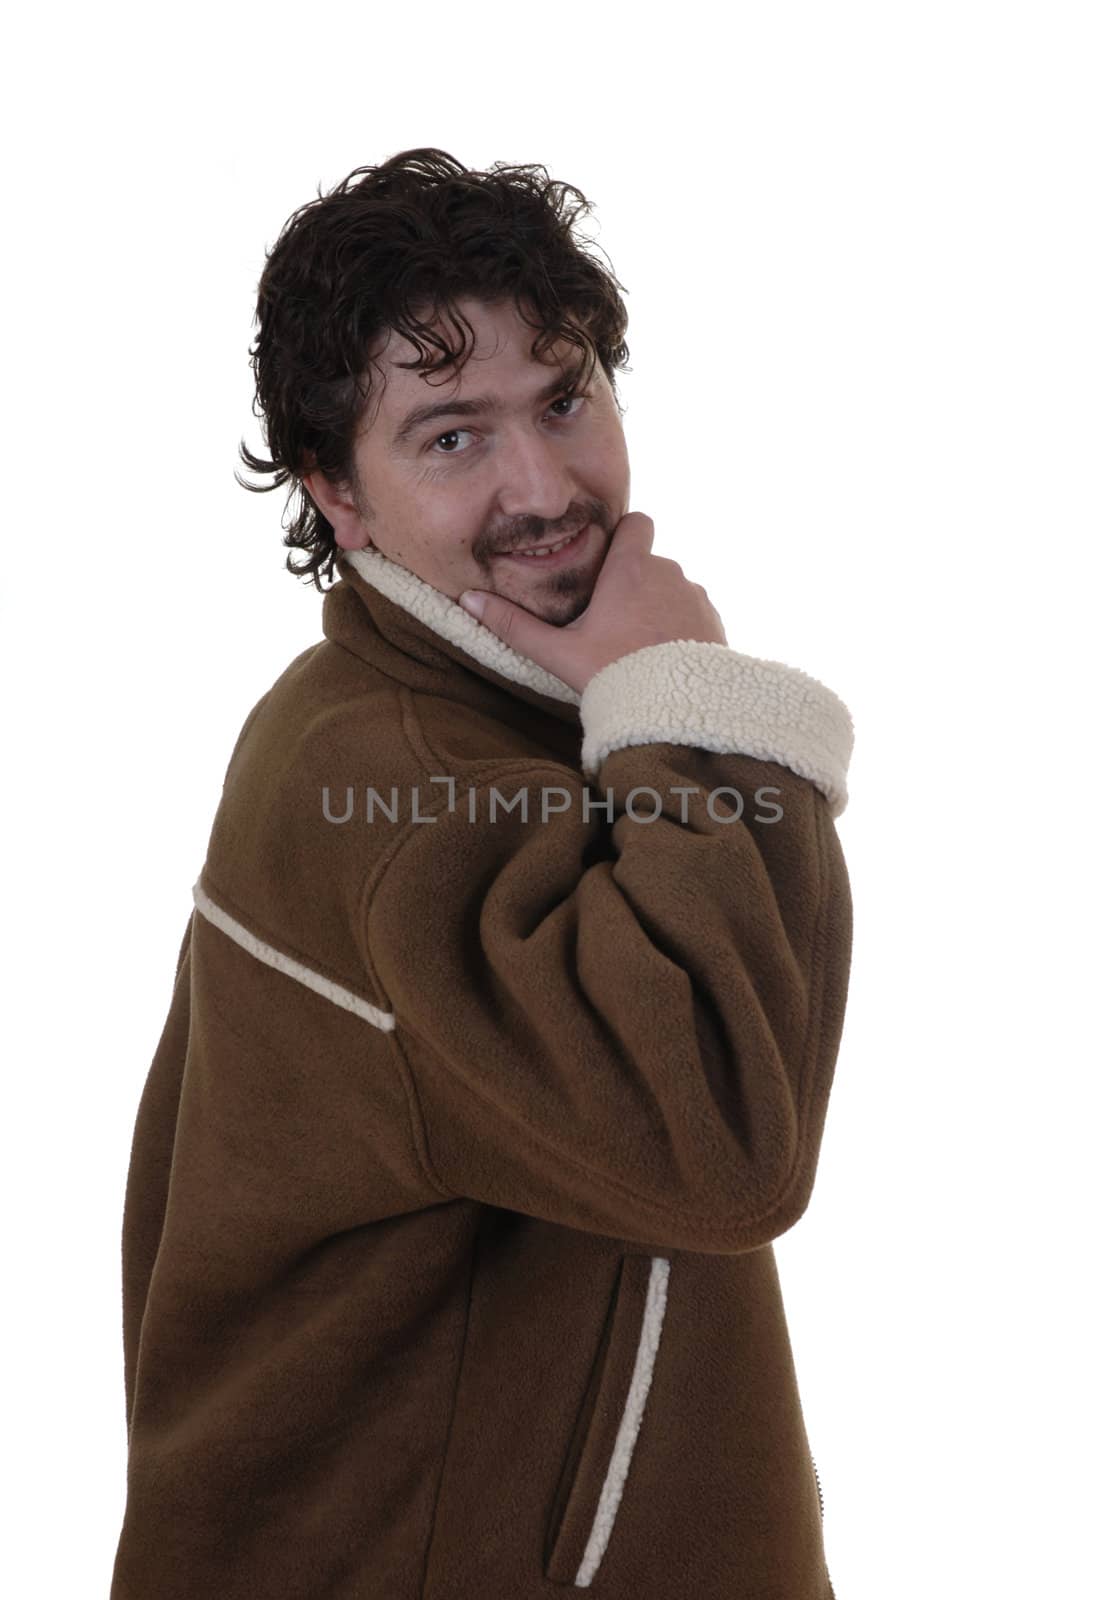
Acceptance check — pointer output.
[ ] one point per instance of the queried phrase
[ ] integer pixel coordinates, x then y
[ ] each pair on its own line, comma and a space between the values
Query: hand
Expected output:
638, 599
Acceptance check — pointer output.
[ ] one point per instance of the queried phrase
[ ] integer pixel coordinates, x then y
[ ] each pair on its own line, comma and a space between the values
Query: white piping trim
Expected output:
451, 620
701, 693
335, 992
618, 1470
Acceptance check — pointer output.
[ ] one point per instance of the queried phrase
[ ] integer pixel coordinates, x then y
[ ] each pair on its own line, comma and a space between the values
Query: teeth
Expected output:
549, 549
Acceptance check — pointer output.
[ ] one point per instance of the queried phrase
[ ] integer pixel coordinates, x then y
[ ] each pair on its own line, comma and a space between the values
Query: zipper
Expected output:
819, 1491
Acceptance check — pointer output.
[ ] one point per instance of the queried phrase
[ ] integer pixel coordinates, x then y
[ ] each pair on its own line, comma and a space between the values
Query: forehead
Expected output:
496, 339
498, 369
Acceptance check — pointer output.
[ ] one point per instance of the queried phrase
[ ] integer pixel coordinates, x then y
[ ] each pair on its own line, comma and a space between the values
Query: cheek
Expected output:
609, 447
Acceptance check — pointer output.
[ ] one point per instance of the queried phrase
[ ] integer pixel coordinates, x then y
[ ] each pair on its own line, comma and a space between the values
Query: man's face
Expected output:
454, 495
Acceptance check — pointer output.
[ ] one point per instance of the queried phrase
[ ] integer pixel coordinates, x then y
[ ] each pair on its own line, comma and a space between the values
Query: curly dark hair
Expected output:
392, 251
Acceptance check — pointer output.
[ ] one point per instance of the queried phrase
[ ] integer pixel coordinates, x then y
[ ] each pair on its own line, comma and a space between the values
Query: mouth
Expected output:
551, 553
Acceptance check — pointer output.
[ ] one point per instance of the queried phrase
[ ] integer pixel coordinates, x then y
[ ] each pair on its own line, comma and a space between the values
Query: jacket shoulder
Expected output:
288, 855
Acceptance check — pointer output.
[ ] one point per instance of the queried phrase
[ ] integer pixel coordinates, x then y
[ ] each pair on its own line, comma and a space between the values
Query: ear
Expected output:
336, 503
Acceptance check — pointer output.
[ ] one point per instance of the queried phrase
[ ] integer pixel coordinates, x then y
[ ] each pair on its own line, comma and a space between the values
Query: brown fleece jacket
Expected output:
446, 1255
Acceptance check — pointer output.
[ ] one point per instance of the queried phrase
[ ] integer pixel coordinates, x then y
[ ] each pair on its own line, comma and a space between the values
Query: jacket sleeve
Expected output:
627, 1020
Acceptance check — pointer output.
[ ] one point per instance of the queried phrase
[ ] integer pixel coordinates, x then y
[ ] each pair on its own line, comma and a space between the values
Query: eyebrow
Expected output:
484, 405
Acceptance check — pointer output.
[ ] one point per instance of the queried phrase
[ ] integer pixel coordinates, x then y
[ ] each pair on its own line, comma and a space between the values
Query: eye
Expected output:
452, 433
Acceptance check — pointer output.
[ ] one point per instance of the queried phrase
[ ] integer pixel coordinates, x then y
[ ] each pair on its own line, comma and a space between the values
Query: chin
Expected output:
562, 609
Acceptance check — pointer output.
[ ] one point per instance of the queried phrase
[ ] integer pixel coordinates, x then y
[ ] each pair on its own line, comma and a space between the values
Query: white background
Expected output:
859, 245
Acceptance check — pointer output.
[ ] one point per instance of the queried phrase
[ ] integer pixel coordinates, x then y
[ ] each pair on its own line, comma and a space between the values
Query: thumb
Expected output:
516, 626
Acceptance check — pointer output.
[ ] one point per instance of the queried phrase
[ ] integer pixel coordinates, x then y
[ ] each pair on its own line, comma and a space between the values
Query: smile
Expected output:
547, 552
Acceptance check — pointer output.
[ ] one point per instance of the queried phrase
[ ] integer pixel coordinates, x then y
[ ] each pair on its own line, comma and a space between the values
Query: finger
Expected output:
517, 627
633, 535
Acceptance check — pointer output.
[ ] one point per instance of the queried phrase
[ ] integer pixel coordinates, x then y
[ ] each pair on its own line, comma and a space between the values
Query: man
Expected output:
506, 1019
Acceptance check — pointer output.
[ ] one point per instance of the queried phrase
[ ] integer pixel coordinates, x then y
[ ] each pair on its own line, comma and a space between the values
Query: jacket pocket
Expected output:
593, 1479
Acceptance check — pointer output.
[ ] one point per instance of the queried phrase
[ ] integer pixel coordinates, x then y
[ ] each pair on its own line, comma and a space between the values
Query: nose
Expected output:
536, 481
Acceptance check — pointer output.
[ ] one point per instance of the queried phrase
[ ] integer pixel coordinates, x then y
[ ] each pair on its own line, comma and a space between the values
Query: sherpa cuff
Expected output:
692, 691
